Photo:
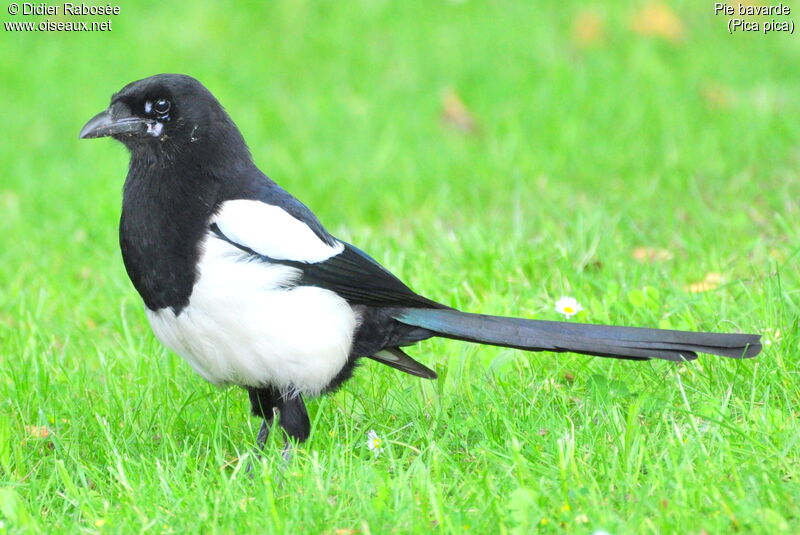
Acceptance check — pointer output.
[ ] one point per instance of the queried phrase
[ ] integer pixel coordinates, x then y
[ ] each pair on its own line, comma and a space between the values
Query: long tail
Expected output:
632, 343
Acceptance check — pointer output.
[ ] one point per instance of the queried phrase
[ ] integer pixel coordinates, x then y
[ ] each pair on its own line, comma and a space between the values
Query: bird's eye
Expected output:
161, 106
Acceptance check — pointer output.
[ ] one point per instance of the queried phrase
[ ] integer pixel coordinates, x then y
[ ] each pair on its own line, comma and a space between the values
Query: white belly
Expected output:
242, 326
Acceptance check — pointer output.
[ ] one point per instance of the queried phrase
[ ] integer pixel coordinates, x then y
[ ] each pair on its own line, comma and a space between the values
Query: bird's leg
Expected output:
263, 404
263, 434
293, 418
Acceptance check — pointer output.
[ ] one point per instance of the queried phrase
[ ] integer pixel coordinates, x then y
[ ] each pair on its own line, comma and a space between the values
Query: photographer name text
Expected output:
67, 8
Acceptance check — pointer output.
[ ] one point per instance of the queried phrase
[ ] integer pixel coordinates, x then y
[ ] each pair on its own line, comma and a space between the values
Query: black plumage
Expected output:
189, 162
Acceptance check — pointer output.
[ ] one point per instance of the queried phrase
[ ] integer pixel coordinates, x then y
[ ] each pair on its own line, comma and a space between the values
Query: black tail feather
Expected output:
634, 343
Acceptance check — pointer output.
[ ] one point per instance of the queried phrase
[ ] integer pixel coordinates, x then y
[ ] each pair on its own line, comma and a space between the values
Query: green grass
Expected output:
582, 155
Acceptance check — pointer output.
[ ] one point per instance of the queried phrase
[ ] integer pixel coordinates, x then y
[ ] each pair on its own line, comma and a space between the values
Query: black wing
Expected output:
352, 274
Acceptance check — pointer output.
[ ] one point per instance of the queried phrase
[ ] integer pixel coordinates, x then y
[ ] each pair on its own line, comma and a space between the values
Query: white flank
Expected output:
243, 326
270, 230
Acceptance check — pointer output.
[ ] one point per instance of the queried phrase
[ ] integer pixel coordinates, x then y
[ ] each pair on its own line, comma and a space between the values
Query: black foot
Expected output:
286, 453
292, 417
261, 440
263, 434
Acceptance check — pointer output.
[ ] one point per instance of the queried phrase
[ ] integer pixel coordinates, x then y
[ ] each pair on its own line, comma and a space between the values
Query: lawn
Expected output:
496, 156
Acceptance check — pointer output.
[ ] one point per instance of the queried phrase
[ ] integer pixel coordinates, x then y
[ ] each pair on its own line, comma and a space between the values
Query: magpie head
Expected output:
166, 114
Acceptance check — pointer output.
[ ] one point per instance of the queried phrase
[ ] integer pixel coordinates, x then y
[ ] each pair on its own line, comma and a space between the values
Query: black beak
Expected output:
102, 125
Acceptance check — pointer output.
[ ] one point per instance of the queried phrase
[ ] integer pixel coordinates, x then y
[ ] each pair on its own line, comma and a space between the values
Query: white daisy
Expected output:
374, 442
569, 306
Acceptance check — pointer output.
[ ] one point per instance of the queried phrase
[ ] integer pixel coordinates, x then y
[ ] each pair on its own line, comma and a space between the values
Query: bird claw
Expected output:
261, 440
286, 453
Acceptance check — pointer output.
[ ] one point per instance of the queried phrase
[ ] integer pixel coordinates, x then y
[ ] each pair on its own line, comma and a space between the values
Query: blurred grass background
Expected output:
495, 155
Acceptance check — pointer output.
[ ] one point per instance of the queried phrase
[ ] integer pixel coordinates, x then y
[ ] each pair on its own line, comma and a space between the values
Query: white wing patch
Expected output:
271, 231
243, 326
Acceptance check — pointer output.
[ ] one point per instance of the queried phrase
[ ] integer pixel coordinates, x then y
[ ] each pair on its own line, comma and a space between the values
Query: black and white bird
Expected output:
240, 278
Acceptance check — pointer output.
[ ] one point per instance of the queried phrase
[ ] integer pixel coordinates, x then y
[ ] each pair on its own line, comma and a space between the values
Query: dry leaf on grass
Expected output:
455, 113
37, 431
717, 97
651, 254
658, 20
710, 282
588, 29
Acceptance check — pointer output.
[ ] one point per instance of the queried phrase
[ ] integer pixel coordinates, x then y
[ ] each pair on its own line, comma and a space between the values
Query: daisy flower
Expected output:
374, 442
569, 306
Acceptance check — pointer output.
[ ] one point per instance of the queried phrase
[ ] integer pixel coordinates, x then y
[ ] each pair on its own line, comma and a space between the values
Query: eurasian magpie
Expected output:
242, 280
